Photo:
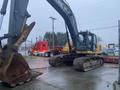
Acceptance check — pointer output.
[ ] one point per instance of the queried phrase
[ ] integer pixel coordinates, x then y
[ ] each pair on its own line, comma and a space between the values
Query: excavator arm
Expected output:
18, 18
65, 11
14, 69
80, 40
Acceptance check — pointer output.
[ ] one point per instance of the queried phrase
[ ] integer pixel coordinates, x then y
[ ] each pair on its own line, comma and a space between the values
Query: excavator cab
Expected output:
88, 41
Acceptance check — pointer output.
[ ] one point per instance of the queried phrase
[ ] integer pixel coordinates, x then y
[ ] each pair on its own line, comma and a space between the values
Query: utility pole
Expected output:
119, 51
116, 84
53, 19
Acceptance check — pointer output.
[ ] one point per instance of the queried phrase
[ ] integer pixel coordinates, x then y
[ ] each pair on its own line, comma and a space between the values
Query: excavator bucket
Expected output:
14, 70
17, 71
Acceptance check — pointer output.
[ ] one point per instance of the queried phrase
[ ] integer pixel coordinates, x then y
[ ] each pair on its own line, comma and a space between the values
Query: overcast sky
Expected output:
90, 14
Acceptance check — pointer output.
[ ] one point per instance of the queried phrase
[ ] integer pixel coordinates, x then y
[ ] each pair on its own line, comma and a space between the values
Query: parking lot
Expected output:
66, 78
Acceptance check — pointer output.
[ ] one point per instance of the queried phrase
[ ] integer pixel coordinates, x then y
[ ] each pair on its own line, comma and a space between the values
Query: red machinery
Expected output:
111, 56
40, 48
111, 59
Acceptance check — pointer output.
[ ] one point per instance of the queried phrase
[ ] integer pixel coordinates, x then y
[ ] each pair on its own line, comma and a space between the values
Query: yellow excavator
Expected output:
83, 54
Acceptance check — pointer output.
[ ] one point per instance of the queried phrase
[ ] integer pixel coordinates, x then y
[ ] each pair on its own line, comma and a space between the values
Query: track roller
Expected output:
87, 63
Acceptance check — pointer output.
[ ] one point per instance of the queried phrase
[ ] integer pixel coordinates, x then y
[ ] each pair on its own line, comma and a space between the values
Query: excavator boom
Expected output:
65, 11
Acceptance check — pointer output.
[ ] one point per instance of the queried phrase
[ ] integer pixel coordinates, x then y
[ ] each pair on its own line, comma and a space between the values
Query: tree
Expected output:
59, 38
48, 37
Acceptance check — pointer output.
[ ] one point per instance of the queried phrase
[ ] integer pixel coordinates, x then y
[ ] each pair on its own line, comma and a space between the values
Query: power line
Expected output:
102, 28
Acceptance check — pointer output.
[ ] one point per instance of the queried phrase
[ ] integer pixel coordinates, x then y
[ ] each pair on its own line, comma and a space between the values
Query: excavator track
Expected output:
87, 63
56, 60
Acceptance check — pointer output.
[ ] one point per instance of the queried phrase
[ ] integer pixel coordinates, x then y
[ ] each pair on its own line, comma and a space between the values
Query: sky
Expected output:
89, 14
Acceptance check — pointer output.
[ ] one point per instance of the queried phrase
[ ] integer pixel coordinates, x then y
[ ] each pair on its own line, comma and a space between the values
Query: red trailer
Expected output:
111, 56
111, 59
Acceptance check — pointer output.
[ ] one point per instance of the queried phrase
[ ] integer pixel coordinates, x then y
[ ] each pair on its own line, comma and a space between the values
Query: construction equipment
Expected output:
83, 55
14, 70
111, 45
39, 49
111, 54
66, 49
111, 59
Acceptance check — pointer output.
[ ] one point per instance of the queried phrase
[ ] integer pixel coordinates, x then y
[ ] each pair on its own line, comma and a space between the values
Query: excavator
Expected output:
84, 54
14, 70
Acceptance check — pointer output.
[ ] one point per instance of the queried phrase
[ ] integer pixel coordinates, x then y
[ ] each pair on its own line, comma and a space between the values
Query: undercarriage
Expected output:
80, 62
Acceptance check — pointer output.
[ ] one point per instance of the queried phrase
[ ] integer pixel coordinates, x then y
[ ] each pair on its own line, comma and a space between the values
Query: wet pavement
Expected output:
66, 78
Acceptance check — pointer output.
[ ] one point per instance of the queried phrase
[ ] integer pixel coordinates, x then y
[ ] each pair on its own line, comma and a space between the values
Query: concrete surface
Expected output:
66, 78
116, 85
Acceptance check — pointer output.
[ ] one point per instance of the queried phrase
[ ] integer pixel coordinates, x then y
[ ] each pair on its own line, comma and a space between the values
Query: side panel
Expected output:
18, 16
